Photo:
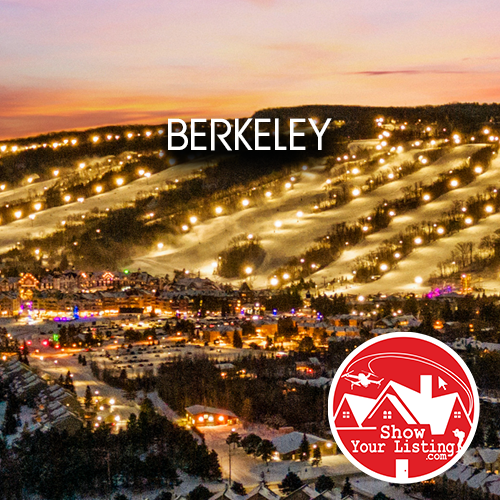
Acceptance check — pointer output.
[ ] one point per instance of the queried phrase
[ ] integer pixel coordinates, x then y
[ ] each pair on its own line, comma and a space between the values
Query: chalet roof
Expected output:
197, 409
291, 442
264, 491
315, 382
227, 494
488, 455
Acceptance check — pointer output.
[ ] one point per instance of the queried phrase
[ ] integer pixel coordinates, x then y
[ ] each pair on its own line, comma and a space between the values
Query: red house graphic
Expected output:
399, 405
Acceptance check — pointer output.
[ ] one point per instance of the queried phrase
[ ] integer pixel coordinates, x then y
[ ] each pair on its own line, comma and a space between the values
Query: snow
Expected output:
248, 470
200, 247
49, 220
291, 441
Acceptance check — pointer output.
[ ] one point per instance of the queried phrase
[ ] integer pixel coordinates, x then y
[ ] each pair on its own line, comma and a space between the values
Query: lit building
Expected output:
199, 415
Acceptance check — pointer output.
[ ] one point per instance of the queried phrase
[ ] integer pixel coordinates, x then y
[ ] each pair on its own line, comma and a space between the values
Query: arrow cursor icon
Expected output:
441, 384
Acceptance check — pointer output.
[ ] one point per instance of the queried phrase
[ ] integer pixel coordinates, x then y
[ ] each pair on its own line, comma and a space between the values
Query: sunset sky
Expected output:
73, 64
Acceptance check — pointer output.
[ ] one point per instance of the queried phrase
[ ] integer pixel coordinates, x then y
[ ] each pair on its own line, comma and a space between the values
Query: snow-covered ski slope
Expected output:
299, 224
197, 250
47, 221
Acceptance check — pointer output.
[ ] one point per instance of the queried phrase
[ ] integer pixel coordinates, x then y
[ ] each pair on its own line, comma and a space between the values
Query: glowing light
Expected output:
245, 202
427, 197
67, 198
440, 230
268, 194
248, 270
185, 227
218, 210
286, 276
274, 281
356, 192
454, 183
82, 165
98, 189
2, 187
397, 255
418, 240
355, 170
300, 213
18, 214
95, 138
288, 185
418, 280
384, 267
193, 219
250, 236
160, 246
119, 181
469, 220
478, 169
365, 228
37, 206
488, 209
278, 224
55, 173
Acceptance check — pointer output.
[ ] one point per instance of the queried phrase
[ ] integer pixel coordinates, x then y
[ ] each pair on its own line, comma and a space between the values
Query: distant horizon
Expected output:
162, 120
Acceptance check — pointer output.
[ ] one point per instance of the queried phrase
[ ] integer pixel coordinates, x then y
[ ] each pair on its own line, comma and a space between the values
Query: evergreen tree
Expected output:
164, 495
324, 483
492, 437
290, 483
316, 457
246, 413
304, 449
238, 488
237, 342
347, 489
88, 398
265, 450
251, 443
10, 421
199, 493
478, 439
233, 438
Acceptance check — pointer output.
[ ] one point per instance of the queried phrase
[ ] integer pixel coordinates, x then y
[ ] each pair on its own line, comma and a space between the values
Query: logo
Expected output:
403, 407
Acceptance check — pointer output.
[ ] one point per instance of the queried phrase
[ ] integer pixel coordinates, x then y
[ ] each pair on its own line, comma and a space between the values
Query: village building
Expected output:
288, 445
199, 415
